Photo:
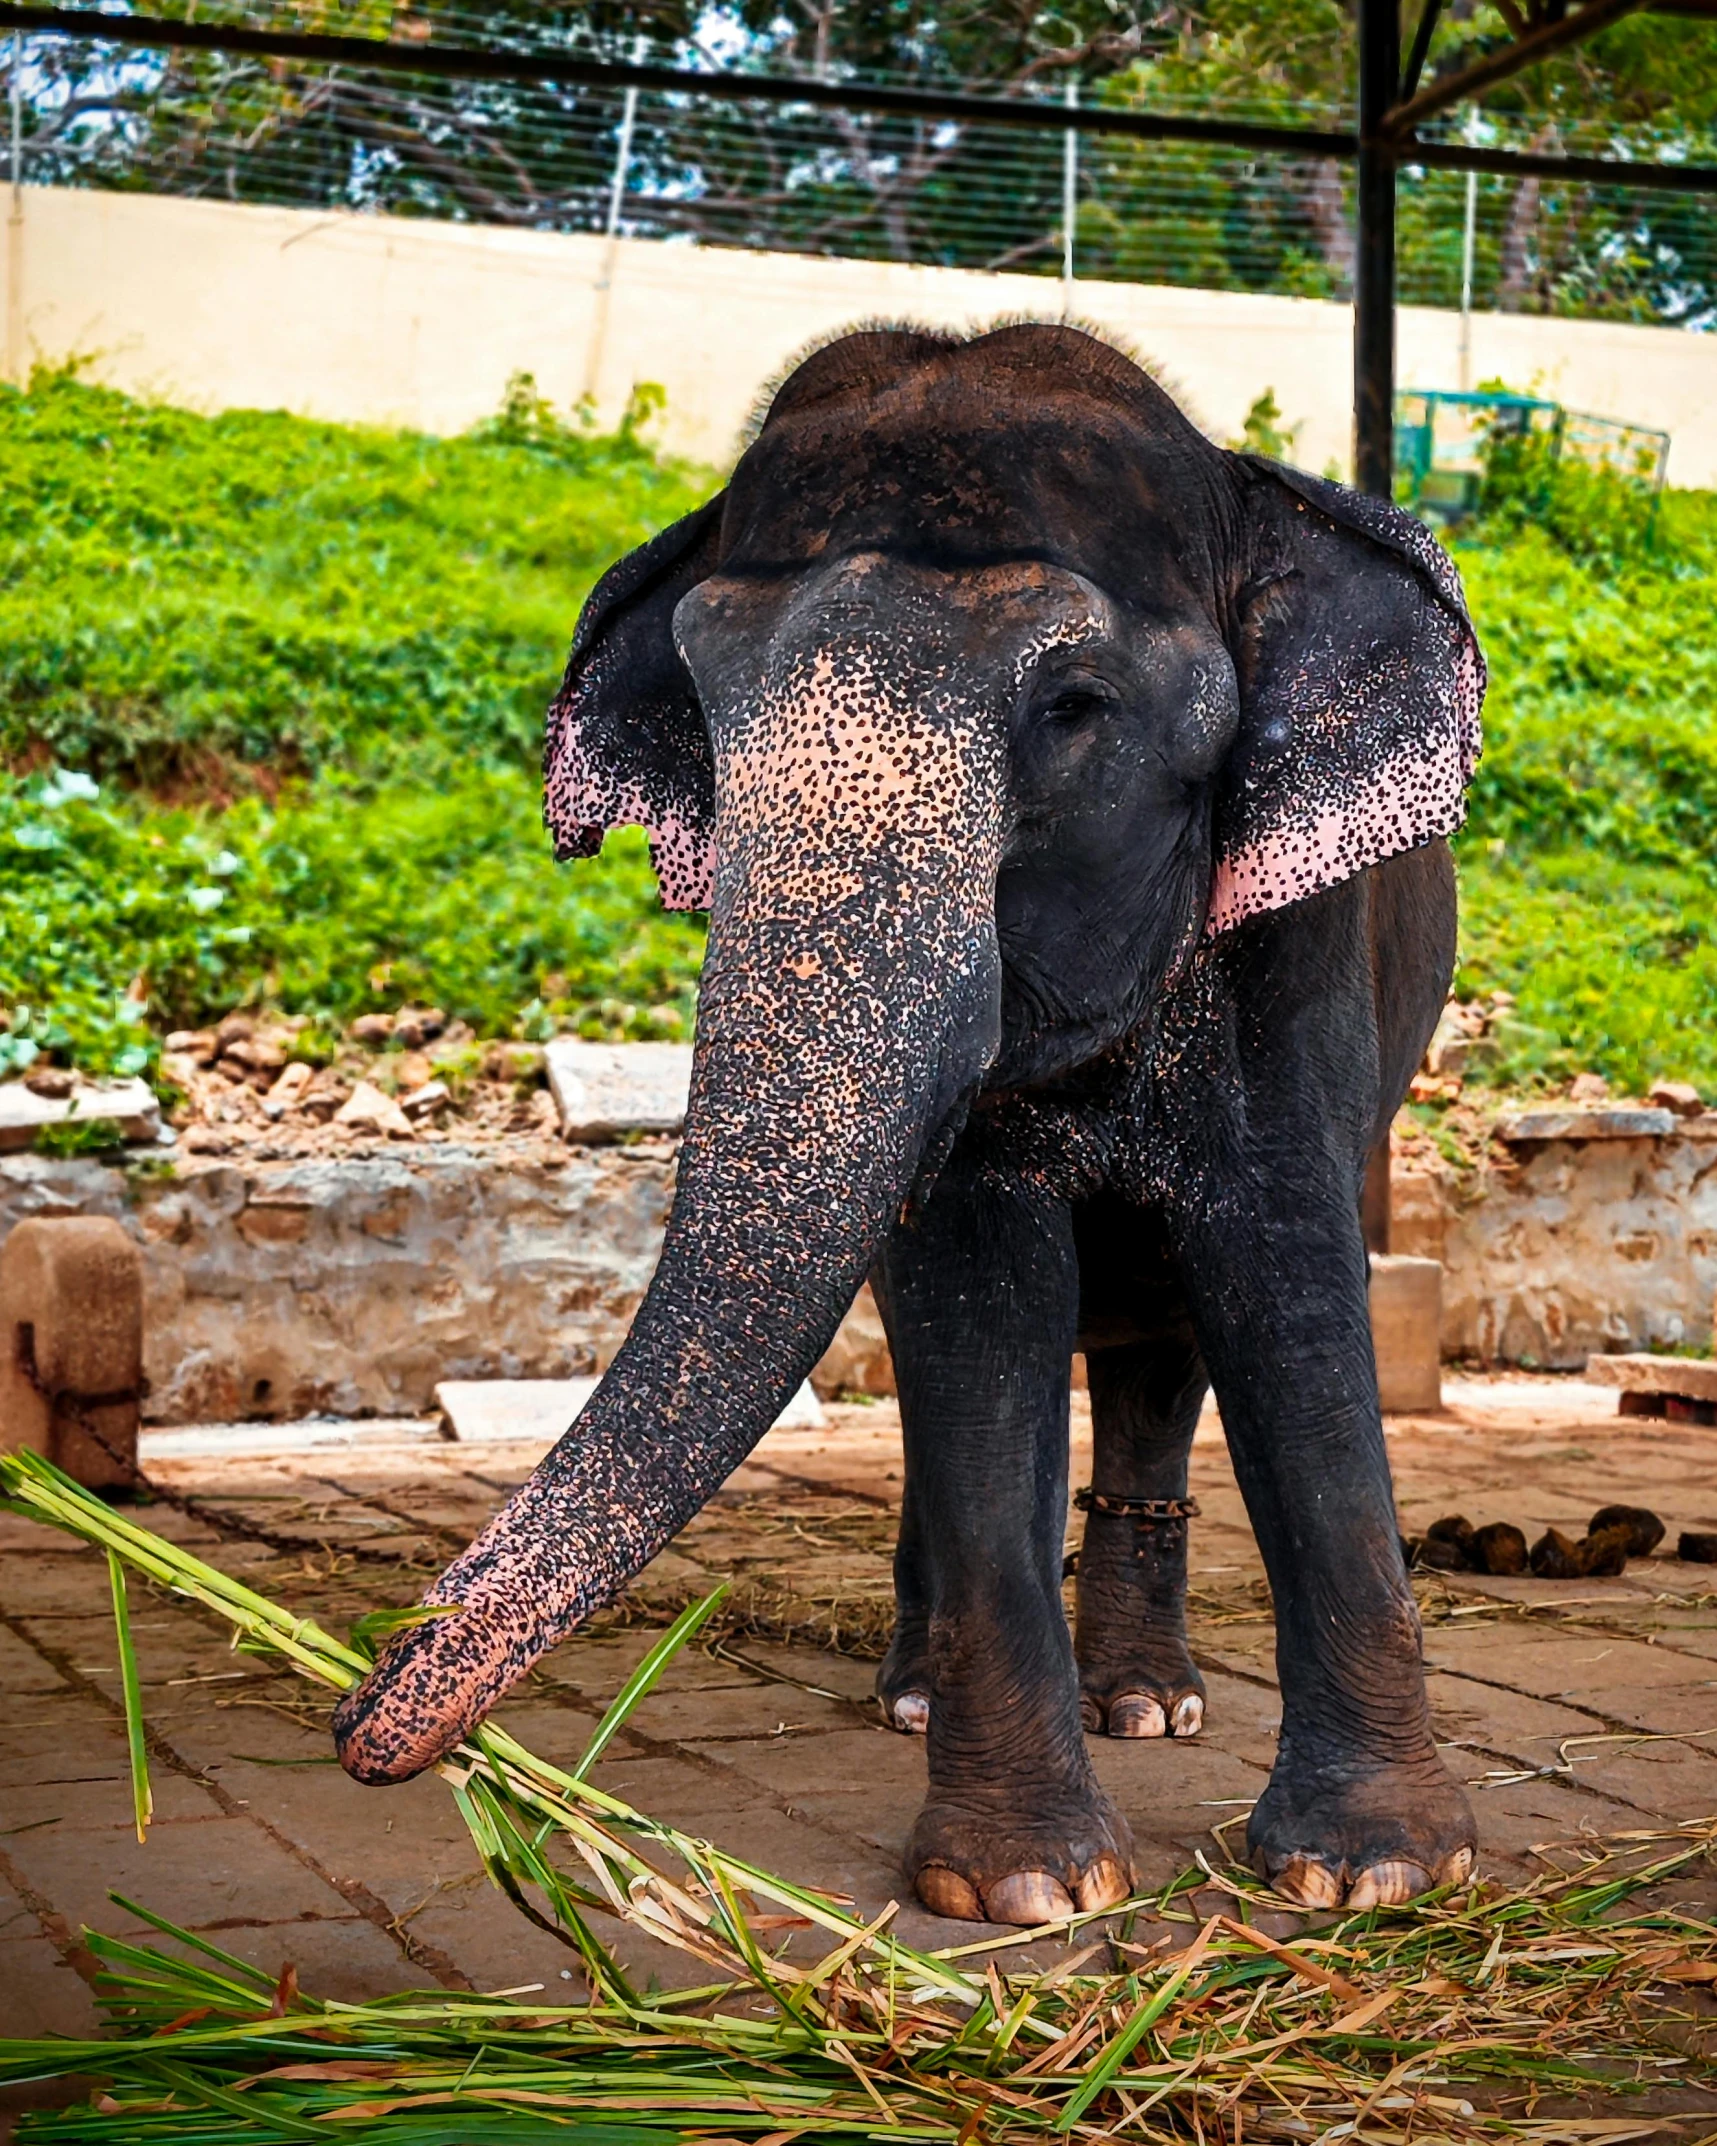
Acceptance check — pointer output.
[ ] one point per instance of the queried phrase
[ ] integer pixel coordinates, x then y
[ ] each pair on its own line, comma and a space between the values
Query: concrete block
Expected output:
1406, 1319
71, 1345
604, 1089
1693, 1378
858, 1359
535, 1412
131, 1104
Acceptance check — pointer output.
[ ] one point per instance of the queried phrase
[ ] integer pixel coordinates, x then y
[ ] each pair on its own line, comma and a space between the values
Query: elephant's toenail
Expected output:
1136, 1713
1388, 1885
1027, 1897
1188, 1716
1103, 1885
910, 1713
1090, 1715
1456, 1869
1308, 1884
945, 1892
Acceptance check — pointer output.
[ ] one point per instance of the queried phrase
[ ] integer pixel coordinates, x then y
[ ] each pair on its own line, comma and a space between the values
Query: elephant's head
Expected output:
986, 690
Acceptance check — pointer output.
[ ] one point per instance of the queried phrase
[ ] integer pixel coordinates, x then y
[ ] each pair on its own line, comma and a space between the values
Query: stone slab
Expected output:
131, 1104
605, 1089
1574, 1123
310, 1434
536, 1411
1693, 1378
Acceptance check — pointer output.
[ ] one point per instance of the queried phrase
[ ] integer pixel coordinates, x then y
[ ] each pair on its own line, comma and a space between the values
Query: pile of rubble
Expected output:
280, 1086
389, 1077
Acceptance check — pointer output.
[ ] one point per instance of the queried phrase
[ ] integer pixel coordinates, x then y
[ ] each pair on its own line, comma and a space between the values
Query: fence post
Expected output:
604, 294
1069, 199
1374, 260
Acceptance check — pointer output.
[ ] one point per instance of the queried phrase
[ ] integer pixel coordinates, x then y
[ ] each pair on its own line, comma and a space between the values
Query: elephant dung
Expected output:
1644, 1529
1602, 1556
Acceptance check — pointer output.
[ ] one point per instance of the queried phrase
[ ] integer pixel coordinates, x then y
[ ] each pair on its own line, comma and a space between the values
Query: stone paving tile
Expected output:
839, 1762
101, 1801
77, 1740
39, 1995
833, 1675
23, 1672
830, 1799
680, 1788
738, 1712
209, 1874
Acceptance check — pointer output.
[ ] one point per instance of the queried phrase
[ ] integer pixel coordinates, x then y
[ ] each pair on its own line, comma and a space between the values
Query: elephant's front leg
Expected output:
1136, 1677
980, 1291
1359, 1806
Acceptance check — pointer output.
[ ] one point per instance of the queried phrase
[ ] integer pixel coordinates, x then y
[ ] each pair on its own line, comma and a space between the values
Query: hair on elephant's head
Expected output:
986, 690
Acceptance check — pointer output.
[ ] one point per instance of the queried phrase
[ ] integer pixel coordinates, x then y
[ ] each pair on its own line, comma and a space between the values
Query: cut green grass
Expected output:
1449, 2020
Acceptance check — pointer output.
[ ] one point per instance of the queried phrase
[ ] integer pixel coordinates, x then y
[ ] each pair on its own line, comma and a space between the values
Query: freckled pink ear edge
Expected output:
1391, 796
581, 803
1396, 804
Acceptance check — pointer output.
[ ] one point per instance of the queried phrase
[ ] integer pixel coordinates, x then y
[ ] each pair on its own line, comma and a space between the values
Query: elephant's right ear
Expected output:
626, 744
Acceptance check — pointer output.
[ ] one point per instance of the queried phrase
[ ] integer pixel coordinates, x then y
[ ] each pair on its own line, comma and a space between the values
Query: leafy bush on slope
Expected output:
346, 638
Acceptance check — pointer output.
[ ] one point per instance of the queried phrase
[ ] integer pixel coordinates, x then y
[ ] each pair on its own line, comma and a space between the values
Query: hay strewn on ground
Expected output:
1480, 2013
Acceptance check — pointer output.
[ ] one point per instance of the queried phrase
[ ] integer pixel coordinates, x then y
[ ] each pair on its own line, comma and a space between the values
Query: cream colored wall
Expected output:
389, 320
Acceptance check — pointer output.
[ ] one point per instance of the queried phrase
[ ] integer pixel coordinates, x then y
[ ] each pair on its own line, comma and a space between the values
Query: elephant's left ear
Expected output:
626, 744
1361, 682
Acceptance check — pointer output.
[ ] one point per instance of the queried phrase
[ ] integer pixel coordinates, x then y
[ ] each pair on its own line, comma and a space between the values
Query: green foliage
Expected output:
348, 636
119, 921
1593, 511
1589, 860
214, 602
1263, 432
413, 598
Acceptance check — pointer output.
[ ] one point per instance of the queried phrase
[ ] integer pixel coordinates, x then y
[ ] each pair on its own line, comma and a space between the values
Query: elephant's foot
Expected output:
1329, 1836
1156, 1693
1136, 1677
903, 1683
976, 1863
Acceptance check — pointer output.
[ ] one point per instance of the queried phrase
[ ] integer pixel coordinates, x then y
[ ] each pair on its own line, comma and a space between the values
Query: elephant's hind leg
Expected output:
1136, 1677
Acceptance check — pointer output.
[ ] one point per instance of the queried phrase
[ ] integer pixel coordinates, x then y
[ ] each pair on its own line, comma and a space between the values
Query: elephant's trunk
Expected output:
849, 1001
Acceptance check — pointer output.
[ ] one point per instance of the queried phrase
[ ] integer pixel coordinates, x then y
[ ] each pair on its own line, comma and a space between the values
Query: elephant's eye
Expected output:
1075, 705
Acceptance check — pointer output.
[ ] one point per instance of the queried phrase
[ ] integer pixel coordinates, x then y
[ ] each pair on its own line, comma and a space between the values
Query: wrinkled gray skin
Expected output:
1079, 914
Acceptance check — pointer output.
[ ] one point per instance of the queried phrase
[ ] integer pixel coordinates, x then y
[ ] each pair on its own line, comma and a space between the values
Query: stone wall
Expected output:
1569, 1249
352, 1285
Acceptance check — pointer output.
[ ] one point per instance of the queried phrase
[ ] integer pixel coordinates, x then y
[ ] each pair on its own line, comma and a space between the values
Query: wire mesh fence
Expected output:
692, 169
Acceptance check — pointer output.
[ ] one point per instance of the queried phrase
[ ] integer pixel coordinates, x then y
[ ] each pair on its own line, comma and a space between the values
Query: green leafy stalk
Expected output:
142, 1796
644, 1678
1121, 2048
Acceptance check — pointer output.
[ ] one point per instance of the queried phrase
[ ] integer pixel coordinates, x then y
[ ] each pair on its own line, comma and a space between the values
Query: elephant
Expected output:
1070, 798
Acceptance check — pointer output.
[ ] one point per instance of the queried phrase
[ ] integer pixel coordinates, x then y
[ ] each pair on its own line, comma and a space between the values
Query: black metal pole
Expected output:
1374, 259
1374, 366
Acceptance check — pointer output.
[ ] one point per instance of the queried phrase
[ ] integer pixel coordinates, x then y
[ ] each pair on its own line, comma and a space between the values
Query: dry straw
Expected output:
1471, 2015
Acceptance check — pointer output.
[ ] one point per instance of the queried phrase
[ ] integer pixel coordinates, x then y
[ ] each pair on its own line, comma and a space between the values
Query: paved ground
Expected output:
1574, 1710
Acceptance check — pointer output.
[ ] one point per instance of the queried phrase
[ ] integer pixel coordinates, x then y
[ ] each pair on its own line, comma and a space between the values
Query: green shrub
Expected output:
1594, 512
119, 922
209, 603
